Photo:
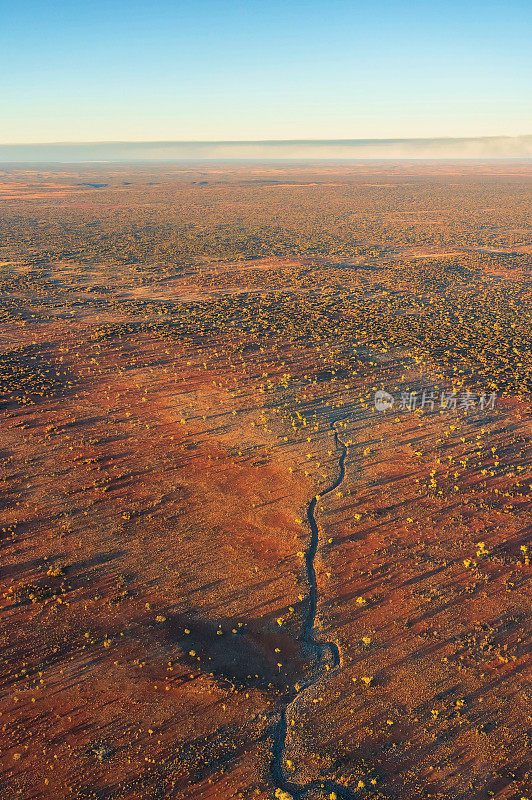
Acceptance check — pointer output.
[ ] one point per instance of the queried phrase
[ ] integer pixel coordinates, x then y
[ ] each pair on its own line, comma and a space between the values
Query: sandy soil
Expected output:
154, 535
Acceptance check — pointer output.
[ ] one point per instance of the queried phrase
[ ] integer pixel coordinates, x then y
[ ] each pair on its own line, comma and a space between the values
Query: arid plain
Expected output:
225, 572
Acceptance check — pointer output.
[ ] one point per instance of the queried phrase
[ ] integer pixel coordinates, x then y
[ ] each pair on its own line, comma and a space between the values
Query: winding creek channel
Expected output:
326, 654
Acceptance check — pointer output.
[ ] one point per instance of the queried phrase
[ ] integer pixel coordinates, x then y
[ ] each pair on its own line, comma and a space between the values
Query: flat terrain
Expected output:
226, 571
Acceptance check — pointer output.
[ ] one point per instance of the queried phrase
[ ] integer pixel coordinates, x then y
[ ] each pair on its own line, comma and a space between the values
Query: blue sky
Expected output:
216, 70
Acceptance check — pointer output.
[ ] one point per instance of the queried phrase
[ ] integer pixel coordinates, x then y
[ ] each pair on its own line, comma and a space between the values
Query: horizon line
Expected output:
383, 140
431, 148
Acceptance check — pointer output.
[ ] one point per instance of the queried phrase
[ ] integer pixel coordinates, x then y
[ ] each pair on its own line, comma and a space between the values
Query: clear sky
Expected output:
104, 70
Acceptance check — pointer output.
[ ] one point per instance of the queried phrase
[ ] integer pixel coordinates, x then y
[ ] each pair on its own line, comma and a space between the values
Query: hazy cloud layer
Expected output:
481, 147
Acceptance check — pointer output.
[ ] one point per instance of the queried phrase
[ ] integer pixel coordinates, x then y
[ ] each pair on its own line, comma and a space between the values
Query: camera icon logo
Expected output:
383, 401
